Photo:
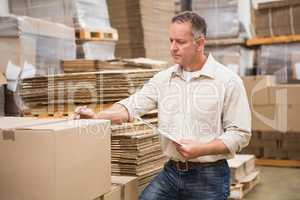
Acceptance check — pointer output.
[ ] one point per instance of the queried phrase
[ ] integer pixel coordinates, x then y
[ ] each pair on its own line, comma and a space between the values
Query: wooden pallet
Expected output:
96, 35
225, 42
273, 40
278, 163
240, 190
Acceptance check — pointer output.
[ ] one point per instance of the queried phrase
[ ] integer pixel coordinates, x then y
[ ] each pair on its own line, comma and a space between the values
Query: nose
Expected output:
173, 46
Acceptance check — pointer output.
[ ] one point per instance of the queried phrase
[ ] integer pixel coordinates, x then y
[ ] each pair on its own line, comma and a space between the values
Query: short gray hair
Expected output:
199, 27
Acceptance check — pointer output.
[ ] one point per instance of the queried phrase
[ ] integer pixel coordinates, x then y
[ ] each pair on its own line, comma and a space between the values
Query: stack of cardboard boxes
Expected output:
275, 124
89, 15
276, 19
35, 45
29, 48
226, 32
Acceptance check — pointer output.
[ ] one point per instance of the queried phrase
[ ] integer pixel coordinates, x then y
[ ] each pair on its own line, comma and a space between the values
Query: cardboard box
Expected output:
284, 94
295, 66
54, 159
257, 89
129, 186
281, 118
115, 193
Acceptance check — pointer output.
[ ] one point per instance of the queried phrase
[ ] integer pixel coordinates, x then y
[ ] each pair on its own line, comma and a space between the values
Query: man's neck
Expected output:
197, 65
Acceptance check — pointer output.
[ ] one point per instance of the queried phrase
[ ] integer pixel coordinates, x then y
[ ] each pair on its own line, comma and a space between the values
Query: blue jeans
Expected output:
210, 182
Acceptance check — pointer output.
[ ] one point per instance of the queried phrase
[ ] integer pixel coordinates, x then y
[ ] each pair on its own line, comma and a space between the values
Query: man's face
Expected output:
183, 47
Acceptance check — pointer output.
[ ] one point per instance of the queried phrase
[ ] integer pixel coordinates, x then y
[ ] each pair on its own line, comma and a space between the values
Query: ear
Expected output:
200, 43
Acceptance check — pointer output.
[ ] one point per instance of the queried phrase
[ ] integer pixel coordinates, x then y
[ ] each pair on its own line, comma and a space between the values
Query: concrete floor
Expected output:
277, 184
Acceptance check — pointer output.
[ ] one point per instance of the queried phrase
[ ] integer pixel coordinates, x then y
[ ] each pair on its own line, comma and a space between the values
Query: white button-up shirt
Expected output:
213, 104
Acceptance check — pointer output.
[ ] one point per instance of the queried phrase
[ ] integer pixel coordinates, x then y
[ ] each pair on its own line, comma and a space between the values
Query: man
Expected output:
203, 105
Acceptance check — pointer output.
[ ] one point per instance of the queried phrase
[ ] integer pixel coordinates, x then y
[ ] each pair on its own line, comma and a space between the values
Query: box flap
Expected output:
122, 180
63, 124
24, 123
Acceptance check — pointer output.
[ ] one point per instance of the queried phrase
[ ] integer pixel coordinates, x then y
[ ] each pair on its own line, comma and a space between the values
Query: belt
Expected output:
186, 166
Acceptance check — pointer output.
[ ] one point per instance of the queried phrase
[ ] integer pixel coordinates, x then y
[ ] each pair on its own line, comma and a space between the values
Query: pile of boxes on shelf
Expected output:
95, 37
227, 29
275, 19
143, 27
275, 125
63, 159
232, 23
36, 35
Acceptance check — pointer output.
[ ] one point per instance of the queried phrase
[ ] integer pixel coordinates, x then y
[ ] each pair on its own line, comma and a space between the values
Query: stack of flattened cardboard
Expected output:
273, 18
136, 151
49, 93
63, 159
143, 27
244, 175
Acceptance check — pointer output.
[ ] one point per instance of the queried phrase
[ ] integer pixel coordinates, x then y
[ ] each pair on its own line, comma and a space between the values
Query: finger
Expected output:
78, 109
176, 144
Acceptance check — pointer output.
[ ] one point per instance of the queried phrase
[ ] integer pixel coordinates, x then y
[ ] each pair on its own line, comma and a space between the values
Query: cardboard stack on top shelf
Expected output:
143, 27
74, 13
136, 151
275, 125
244, 175
274, 28
88, 16
32, 43
52, 158
275, 18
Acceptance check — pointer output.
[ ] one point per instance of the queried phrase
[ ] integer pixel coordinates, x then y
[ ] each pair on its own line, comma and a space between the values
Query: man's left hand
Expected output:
189, 149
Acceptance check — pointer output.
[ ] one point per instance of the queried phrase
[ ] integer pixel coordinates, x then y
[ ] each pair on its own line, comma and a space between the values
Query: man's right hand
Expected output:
82, 112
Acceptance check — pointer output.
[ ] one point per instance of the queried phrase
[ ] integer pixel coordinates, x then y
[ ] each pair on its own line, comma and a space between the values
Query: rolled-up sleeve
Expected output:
143, 100
236, 117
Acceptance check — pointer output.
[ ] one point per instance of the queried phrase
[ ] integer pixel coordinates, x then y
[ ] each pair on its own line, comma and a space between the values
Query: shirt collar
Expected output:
208, 69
